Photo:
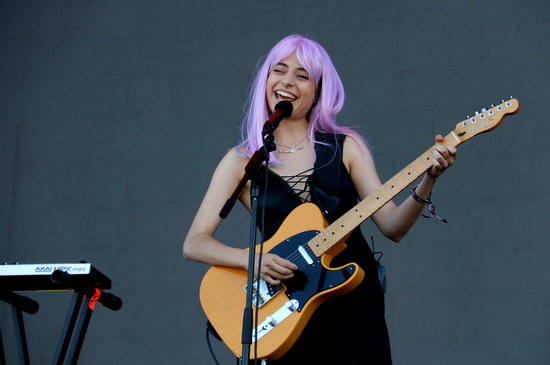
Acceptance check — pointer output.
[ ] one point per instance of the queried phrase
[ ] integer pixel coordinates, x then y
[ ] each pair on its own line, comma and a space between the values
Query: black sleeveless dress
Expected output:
350, 329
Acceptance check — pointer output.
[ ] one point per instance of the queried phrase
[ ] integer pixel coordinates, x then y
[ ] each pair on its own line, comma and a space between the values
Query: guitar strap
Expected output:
325, 198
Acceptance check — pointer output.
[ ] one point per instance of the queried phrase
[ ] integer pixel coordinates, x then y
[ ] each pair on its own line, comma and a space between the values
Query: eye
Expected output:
305, 77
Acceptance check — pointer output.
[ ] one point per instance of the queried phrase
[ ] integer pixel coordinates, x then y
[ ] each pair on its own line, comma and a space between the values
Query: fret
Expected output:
413, 170
427, 158
336, 230
388, 189
355, 217
366, 204
405, 177
454, 135
382, 195
323, 240
315, 246
396, 183
373, 201
358, 209
343, 227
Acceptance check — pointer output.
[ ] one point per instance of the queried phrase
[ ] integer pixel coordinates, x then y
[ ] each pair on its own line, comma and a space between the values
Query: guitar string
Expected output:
417, 164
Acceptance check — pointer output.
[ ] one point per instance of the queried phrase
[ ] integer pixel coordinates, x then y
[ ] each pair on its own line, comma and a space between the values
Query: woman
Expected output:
318, 161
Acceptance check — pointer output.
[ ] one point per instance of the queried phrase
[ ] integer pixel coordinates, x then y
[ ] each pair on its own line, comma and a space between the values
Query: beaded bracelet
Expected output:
431, 206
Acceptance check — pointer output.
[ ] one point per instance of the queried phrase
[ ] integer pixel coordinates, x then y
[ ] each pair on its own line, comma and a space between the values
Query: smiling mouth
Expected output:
285, 95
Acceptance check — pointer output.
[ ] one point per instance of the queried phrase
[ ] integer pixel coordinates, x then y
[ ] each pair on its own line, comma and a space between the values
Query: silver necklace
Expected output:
294, 148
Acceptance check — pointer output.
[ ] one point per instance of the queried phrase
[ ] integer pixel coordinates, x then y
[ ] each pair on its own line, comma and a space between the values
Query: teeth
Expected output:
284, 94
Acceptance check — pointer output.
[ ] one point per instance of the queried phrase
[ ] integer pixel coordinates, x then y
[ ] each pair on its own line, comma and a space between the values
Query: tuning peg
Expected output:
477, 113
492, 105
511, 97
467, 117
502, 101
483, 110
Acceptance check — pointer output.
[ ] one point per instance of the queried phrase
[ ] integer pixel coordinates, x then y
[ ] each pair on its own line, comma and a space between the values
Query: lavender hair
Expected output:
322, 117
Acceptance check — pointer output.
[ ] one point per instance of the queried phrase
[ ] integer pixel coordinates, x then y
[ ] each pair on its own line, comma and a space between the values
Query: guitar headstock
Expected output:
486, 120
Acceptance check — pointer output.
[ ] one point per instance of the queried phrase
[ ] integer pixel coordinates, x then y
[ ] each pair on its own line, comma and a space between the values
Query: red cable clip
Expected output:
94, 299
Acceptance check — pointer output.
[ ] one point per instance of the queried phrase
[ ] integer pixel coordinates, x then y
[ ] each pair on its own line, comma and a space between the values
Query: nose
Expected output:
288, 80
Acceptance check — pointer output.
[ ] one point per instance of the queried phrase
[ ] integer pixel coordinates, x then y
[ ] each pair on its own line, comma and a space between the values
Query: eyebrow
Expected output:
285, 65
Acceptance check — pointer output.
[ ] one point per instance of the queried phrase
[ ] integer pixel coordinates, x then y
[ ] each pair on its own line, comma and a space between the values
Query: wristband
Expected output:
431, 206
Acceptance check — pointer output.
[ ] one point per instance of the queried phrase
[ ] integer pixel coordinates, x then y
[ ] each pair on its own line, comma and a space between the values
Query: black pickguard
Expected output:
309, 279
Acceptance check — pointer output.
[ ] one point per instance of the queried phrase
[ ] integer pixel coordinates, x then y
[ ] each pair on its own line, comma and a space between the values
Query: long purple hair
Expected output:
322, 117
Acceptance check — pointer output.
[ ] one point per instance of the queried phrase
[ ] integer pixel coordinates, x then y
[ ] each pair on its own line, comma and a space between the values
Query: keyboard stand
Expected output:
19, 305
78, 317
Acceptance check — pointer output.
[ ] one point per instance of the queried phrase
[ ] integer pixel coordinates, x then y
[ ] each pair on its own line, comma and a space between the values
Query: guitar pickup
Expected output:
265, 293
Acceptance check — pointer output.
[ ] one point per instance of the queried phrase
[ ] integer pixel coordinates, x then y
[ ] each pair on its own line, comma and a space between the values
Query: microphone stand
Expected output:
251, 173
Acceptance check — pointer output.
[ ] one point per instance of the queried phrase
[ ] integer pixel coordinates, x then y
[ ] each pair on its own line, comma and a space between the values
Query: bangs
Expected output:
307, 53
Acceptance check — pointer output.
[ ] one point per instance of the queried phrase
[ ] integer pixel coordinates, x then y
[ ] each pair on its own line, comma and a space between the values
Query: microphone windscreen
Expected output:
286, 108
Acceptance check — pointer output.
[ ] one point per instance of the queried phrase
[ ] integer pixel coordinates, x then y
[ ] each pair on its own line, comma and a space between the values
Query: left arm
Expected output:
393, 220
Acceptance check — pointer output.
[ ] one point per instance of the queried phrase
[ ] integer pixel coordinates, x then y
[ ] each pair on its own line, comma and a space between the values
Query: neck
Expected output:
290, 131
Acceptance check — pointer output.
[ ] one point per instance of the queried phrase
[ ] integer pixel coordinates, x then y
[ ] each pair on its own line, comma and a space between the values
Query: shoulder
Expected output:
232, 164
355, 149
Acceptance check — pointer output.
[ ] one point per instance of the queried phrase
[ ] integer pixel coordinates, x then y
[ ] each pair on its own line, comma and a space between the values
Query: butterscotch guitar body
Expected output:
223, 294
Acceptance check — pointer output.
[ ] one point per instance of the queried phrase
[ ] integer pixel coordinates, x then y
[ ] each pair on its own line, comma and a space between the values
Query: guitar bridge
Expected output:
274, 319
264, 293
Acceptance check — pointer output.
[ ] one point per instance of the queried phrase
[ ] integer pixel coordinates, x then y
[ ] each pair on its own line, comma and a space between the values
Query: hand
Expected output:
444, 157
274, 269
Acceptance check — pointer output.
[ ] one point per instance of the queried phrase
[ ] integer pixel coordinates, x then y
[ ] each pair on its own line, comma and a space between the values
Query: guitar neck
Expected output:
482, 122
343, 226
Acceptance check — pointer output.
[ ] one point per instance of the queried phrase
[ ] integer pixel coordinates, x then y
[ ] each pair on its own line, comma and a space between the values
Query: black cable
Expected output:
376, 252
380, 269
210, 346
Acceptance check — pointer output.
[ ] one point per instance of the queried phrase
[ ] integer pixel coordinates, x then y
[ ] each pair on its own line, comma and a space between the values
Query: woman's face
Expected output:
290, 81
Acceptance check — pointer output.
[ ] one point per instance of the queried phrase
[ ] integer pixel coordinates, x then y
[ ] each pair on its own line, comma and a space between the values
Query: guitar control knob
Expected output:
292, 305
271, 321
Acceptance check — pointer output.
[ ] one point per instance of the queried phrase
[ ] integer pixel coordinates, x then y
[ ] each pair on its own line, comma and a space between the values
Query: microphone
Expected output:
283, 109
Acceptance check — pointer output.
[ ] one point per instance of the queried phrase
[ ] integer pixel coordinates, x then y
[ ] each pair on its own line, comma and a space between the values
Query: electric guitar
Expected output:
306, 239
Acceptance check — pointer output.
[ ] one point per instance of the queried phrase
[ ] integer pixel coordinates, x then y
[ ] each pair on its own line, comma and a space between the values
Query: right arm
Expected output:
200, 244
